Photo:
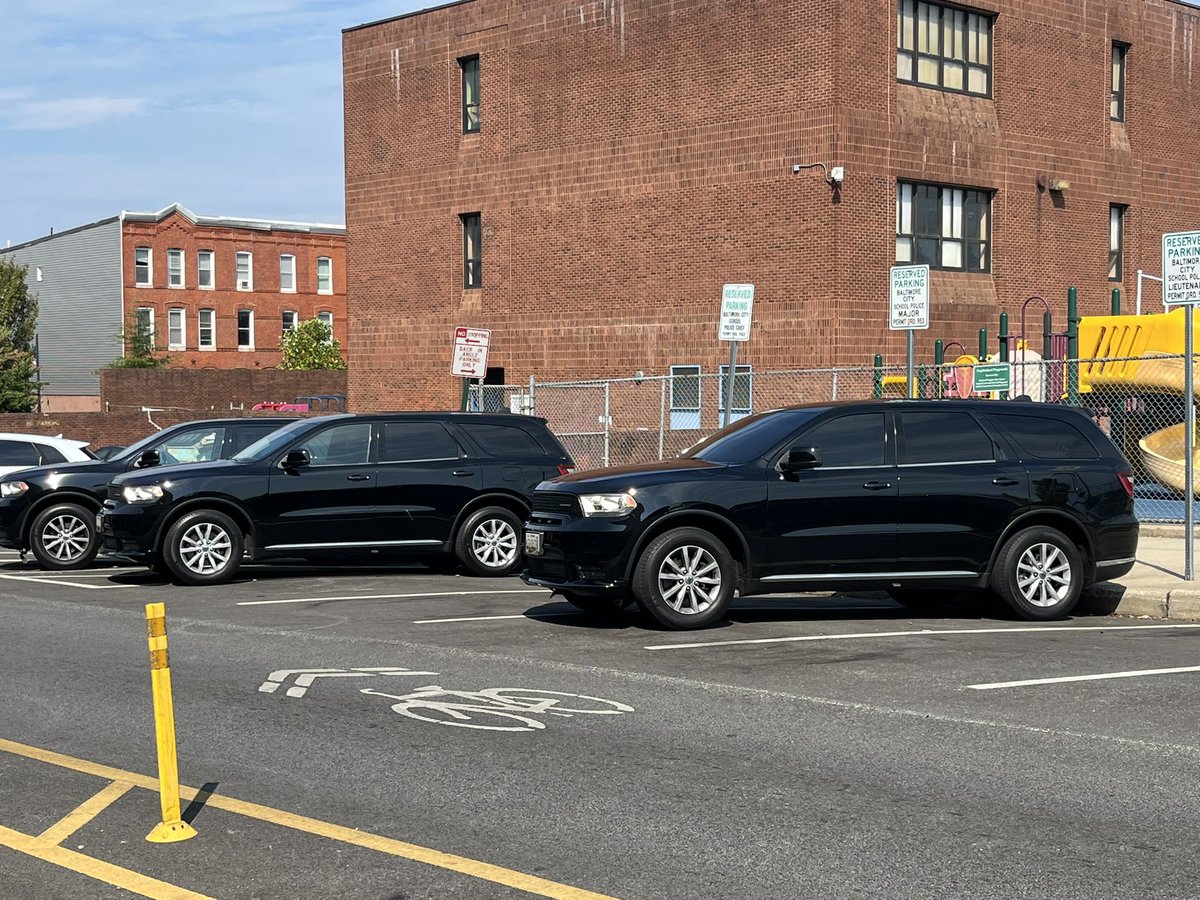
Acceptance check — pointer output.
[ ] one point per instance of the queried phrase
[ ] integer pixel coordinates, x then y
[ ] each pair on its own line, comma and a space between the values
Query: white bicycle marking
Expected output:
305, 677
514, 707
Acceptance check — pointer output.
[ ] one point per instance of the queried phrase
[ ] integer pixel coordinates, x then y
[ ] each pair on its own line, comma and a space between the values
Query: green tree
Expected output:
18, 323
311, 345
140, 350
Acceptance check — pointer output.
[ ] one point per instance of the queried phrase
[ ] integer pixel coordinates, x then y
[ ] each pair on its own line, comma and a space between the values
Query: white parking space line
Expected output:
924, 632
107, 573
1137, 673
556, 615
74, 584
389, 596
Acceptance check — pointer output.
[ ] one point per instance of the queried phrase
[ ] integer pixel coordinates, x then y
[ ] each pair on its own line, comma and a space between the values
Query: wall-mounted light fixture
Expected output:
1058, 185
833, 176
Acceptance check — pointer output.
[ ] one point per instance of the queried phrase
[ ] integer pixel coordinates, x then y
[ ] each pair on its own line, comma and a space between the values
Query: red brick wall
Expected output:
205, 393
634, 157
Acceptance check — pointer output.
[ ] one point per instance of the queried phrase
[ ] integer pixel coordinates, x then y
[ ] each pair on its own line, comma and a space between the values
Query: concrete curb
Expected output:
1115, 599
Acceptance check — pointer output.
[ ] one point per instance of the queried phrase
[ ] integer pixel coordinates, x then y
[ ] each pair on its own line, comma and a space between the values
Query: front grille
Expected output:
555, 502
548, 568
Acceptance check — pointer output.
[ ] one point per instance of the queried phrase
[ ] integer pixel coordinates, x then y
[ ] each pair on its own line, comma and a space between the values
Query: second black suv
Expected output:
918, 498
52, 509
428, 484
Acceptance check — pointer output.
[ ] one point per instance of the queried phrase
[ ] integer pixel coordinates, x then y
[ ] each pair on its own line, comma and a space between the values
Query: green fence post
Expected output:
1004, 347
939, 359
877, 388
983, 345
1073, 346
1116, 301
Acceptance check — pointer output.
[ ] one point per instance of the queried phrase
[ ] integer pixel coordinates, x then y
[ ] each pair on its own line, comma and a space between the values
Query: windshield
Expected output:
276, 440
751, 437
135, 450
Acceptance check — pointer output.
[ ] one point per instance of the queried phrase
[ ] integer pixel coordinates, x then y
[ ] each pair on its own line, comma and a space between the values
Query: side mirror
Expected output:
296, 459
148, 459
799, 458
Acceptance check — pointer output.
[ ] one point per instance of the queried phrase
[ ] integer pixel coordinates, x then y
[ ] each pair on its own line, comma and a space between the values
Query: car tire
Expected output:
601, 607
1039, 573
488, 542
684, 579
64, 537
203, 547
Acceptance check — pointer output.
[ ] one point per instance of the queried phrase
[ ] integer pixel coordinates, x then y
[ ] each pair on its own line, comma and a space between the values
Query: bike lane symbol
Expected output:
508, 709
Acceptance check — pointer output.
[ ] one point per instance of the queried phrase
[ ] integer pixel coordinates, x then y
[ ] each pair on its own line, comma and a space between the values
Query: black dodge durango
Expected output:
918, 498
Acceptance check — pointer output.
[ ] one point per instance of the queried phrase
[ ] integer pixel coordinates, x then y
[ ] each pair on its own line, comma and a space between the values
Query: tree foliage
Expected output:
18, 325
140, 349
311, 345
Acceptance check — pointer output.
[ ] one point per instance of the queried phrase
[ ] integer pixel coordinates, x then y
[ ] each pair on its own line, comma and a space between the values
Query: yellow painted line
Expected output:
84, 813
95, 868
531, 884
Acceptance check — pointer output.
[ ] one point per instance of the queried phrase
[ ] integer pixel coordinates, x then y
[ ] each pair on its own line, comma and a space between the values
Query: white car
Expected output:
22, 451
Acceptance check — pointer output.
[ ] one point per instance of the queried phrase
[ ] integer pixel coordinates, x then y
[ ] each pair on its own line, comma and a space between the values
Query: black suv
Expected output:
918, 498
421, 483
51, 510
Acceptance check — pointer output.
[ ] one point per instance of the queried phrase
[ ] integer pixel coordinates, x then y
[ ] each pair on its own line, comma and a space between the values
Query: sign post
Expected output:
1181, 287
909, 309
737, 307
470, 356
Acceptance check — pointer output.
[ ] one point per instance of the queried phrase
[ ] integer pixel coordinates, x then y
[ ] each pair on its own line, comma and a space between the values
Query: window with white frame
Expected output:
290, 320
944, 227
327, 318
743, 393
685, 397
245, 335
143, 267
175, 268
287, 274
1116, 104
470, 93
324, 275
472, 226
206, 327
944, 47
245, 271
204, 270
176, 331
143, 318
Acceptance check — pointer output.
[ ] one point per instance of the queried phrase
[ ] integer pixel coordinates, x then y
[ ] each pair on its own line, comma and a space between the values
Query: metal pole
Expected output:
532, 407
939, 361
1189, 449
1116, 301
908, 384
1004, 346
833, 389
877, 381
1139, 293
733, 345
607, 420
662, 414
1072, 347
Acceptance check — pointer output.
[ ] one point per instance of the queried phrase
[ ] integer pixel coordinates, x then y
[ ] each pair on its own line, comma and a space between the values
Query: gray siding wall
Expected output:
79, 304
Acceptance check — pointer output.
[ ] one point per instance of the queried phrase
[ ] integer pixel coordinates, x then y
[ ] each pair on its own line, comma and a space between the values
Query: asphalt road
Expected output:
809, 748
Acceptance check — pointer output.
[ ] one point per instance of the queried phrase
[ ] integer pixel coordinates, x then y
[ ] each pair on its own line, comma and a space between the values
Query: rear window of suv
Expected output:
1045, 437
505, 440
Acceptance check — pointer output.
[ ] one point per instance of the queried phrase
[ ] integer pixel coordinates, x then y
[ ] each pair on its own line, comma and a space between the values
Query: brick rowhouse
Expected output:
635, 155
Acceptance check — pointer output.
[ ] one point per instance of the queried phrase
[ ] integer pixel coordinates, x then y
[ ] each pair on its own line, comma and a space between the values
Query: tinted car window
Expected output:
51, 454
1044, 437
245, 435
412, 441
18, 453
505, 440
750, 437
192, 445
341, 445
944, 437
855, 440
275, 440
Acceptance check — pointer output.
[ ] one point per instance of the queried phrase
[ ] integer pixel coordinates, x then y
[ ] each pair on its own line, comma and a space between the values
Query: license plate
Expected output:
99, 522
533, 543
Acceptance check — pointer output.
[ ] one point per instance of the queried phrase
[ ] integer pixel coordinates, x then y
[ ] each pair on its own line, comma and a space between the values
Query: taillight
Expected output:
570, 470
1126, 482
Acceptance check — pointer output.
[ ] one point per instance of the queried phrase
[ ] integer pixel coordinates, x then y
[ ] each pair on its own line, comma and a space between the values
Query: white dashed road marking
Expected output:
494, 618
75, 584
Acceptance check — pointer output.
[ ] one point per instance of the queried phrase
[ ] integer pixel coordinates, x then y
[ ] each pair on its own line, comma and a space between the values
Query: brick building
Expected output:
215, 292
582, 177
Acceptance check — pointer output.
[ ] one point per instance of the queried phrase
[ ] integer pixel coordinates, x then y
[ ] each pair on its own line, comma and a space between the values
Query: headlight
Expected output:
148, 493
606, 504
13, 488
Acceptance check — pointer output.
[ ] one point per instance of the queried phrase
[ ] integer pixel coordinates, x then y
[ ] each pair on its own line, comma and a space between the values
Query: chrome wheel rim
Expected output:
1044, 575
689, 580
205, 548
66, 537
494, 543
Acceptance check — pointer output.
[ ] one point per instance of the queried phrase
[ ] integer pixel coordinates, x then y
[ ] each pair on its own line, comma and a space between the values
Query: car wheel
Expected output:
1039, 573
684, 579
487, 543
203, 547
64, 537
596, 606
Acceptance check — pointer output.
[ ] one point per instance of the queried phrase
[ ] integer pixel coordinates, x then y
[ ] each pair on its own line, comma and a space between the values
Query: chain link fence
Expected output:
1137, 401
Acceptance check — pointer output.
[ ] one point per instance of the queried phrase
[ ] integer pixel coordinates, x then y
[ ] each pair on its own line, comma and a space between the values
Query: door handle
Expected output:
877, 485
358, 477
462, 473
1005, 482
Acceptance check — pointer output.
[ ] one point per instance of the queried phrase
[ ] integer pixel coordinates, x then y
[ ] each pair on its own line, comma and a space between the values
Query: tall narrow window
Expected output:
176, 333
324, 275
943, 47
204, 270
290, 320
472, 250
245, 329
143, 267
470, 93
1116, 242
144, 319
685, 397
327, 318
206, 326
1116, 107
287, 274
245, 271
175, 268
946, 227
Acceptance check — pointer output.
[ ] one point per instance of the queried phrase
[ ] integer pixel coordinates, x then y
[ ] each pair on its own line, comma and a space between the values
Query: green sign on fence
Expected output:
992, 378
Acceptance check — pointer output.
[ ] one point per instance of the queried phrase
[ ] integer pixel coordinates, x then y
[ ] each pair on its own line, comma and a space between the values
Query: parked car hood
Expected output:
162, 474
618, 477
56, 469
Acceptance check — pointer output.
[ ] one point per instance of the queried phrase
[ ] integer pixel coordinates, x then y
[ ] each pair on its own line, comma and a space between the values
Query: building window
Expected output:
290, 320
144, 318
206, 324
204, 269
245, 271
176, 333
1116, 242
472, 227
327, 318
945, 227
743, 393
143, 267
38, 273
287, 274
245, 329
1116, 106
470, 93
943, 47
324, 275
175, 268
685, 397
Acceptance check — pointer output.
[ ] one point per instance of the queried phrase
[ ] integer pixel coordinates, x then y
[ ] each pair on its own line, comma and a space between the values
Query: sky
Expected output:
229, 107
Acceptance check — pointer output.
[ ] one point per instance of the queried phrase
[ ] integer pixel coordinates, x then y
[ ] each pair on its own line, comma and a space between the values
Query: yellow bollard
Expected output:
172, 828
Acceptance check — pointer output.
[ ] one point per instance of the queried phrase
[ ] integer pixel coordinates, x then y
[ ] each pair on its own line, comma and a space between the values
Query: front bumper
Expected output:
581, 556
12, 521
129, 531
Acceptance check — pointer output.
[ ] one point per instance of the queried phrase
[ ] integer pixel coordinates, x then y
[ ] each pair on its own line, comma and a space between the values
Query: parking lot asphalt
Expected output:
387, 731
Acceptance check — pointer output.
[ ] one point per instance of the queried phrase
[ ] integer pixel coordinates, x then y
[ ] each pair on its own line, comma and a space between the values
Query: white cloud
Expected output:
70, 112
